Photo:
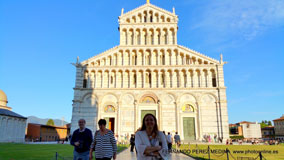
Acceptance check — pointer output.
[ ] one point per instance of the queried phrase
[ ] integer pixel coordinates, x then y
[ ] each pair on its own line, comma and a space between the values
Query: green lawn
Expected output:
11, 151
277, 152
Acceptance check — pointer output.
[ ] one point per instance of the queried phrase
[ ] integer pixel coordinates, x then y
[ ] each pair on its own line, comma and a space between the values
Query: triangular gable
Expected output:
153, 7
181, 48
198, 54
100, 55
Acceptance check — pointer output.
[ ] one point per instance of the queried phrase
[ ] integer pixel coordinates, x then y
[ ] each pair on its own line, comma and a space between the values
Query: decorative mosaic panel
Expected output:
109, 108
187, 108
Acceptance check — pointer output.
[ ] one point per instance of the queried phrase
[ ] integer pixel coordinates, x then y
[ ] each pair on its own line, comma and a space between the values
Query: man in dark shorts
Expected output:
177, 140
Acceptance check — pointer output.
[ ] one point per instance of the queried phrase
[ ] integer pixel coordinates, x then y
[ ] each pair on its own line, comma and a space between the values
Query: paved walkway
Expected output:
127, 155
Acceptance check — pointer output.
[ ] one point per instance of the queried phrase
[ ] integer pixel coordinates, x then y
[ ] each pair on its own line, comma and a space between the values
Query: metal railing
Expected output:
59, 157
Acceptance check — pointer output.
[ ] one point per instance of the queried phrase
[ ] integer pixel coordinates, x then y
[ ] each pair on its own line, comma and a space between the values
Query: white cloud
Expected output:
242, 19
270, 93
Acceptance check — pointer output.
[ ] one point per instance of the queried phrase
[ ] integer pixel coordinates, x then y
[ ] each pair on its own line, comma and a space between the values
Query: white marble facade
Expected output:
12, 125
150, 72
12, 129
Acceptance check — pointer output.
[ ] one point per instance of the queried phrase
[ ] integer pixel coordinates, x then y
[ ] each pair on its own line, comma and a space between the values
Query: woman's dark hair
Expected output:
102, 122
155, 129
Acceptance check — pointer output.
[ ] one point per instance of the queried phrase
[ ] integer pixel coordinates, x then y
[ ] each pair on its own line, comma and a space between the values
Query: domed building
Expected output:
3, 101
12, 125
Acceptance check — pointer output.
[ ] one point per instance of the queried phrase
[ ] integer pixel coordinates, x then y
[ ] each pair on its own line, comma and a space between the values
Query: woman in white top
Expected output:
150, 143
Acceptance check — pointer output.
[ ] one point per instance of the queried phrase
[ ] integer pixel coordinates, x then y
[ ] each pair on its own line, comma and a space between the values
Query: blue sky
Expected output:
39, 40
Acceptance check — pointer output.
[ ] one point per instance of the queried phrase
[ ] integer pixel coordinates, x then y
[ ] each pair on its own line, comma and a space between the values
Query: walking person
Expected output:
177, 140
150, 143
81, 139
104, 143
170, 141
132, 142
215, 138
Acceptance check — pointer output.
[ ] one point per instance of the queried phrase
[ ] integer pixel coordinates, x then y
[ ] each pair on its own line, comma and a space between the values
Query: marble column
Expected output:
174, 79
209, 79
118, 124
177, 117
199, 117
135, 116
168, 80
202, 77
195, 79
160, 115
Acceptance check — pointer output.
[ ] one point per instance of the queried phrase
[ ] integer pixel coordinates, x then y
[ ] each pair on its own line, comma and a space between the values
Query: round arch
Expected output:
208, 93
89, 94
194, 96
148, 94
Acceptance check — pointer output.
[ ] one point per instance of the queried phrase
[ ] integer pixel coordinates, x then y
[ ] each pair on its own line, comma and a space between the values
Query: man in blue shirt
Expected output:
82, 139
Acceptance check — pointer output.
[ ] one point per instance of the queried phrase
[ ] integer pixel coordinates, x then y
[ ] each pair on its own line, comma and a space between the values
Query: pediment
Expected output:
198, 58
148, 8
100, 56
196, 54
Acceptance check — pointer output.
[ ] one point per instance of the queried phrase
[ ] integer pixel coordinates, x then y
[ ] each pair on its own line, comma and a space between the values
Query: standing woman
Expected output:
150, 143
104, 143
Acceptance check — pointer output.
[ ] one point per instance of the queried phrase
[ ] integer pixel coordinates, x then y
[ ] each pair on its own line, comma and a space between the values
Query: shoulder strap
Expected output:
95, 137
96, 132
94, 141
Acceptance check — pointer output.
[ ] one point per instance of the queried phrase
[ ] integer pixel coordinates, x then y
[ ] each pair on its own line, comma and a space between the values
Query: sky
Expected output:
40, 39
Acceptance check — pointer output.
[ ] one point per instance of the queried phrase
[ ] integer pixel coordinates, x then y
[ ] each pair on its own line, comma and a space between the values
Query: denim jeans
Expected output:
81, 156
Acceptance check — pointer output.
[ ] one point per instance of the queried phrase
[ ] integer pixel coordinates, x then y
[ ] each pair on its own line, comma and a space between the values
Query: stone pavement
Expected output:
127, 155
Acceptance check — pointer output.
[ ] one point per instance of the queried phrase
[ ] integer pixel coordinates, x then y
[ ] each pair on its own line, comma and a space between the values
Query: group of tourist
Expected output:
103, 143
252, 141
272, 142
211, 138
148, 141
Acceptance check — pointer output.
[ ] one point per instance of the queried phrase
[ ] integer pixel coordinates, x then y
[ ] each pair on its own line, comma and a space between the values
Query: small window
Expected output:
150, 78
134, 77
85, 83
135, 60
111, 79
163, 79
214, 83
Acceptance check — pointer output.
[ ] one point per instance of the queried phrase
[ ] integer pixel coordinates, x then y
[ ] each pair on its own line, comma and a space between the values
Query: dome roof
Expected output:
3, 96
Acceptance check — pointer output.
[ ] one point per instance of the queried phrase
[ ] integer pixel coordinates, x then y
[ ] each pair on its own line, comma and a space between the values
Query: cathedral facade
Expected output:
148, 72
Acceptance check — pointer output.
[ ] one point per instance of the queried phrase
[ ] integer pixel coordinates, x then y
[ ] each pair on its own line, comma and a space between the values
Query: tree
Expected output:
50, 122
263, 124
269, 123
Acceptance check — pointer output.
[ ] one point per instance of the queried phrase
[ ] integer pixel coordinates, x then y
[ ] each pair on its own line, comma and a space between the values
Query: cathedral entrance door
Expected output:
110, 123
189, 128
144, 112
